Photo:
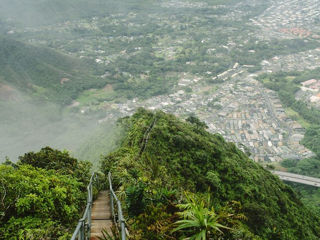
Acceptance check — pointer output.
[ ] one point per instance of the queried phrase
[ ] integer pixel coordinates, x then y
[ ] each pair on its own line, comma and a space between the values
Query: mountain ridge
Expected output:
181, 156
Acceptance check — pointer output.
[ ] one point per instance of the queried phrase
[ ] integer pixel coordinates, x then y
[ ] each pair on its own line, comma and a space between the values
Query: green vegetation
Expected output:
310, 167
143, 48
199, 220
312, 139
161, 157
165, 169
286, 85
44, 73
42, 196
50, 159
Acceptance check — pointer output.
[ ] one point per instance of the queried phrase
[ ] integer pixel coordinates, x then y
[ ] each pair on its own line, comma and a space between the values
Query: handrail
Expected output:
82, 231
120, 222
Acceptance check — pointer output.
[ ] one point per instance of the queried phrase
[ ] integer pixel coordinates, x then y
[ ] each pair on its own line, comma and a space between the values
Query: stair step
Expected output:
98, 225
101, 204
101, 216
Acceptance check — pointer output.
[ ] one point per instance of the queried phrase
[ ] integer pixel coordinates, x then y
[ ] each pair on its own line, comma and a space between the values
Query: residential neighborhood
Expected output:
216, 80
290, 19
240, 109
310, 92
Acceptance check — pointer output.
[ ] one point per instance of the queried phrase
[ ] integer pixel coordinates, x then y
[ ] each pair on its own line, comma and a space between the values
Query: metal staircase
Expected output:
102, 214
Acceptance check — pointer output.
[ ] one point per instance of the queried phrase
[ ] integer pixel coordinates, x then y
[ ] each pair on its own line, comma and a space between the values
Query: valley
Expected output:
202, 62
202, 118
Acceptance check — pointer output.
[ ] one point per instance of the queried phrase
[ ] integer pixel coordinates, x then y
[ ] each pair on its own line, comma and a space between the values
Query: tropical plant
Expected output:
114, 235
200, 220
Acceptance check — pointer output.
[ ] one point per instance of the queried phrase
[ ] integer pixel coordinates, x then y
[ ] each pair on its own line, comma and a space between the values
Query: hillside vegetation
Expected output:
287, 84
45, 73
42, 196
163, 162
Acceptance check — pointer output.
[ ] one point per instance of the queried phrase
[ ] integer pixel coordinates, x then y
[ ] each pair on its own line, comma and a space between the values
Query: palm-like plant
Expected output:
114, 235
199, 222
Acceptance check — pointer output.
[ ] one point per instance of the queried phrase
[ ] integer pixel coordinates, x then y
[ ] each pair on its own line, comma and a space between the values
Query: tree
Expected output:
37, 202
52, 159
196, 121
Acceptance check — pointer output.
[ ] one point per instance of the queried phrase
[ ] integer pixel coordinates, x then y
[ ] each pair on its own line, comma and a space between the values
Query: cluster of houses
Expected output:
294, 62
239, 109
254, 117
310, 92
290, 19
234, 104
183, 4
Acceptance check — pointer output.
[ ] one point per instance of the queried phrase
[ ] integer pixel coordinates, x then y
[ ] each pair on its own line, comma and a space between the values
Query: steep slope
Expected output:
161, 157
44, 73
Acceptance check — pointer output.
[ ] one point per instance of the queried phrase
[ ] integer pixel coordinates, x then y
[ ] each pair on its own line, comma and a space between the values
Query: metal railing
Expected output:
117, 217
83, 228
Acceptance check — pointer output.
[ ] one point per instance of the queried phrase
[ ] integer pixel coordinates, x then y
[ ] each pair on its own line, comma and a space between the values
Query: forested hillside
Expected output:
45, 73
163, 162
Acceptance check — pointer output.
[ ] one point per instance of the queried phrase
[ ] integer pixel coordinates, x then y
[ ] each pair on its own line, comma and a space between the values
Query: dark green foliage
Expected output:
135, 199
33, 228
312, 139
48, 158
199, 220
44, 201
288, 163
177, 156
310, 167
33, 195
194, 120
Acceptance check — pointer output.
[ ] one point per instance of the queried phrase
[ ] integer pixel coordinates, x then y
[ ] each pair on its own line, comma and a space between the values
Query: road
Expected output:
290, 177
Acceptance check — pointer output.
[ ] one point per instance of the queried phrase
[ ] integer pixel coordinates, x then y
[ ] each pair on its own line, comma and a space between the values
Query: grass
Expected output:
96, 95
296, 116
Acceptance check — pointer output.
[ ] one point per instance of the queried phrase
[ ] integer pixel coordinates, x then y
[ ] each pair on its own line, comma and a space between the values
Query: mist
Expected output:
31, 13
178, 56
26, 126
27, 123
